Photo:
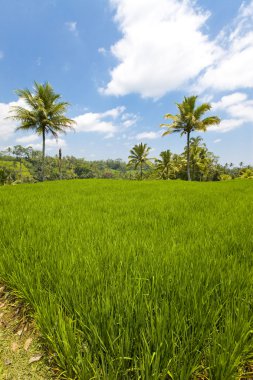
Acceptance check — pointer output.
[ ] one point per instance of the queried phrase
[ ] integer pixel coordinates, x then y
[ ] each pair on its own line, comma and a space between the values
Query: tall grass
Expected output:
135, 280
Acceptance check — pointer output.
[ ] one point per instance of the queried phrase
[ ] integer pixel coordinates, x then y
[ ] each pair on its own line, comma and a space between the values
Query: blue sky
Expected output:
122, 64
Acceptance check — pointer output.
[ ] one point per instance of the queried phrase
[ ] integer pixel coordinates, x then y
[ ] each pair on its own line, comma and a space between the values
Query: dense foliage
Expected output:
190, 119
20, 164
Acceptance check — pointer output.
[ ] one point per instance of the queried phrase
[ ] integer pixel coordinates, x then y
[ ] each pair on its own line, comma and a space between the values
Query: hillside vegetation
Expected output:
204, 166
135, 280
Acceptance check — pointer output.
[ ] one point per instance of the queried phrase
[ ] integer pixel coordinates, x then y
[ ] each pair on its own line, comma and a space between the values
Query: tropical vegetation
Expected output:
21, 165
139, 157
188, 120
44, 114
164, 164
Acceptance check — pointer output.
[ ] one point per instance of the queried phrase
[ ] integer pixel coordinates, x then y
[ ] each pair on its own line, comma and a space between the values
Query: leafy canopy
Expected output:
189, 118
139, 155
44, 113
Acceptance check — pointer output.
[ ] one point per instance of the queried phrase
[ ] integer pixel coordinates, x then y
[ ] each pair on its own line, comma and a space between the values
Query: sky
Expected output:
123, 64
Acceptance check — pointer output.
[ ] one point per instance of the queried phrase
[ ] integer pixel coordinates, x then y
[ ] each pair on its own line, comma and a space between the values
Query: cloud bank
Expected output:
165, 46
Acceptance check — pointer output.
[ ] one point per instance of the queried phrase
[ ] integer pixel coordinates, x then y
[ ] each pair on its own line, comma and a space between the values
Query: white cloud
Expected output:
129, 119
92, 122
161, 49
55, 143
238, 109
95, 122
243, 110
129, 122
236, 105
164, 48
108, 122
7, 126
233, 69
112, 121
50, 144
217, 141
229, 100
1, 54
109, 136
226, 125
72, 27
148, 135
114, 112
102, 51
27, 139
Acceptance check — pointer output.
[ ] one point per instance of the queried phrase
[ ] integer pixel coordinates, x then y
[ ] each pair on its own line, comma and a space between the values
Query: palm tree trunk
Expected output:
141, 171
20, 169
60, 162
188, 157
43, 154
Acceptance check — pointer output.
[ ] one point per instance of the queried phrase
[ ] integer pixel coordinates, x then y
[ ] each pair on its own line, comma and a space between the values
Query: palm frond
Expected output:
211, 120
44, 112
170, 116
189, 117
189, 103
168, 132
201, 110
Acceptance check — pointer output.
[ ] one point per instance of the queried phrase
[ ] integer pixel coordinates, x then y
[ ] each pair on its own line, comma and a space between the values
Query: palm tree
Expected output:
163, 164
139, 157
188, 120
44, 114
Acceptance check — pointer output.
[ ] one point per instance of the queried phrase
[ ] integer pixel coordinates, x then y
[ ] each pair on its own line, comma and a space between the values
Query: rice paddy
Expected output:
135, 280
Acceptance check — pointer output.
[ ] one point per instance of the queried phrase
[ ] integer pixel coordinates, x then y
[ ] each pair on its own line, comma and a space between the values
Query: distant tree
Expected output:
247, 173
197, 154
163, 164
225, 177
188, 120
202, 162
44, 114
5, 176
178, 166
20, 152
139, 157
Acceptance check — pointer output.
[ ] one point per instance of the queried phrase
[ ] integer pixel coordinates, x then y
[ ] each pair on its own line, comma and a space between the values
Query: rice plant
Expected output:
135, 280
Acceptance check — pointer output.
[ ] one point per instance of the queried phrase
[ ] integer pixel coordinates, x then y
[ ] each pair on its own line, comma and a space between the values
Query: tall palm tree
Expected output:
189, 119
163, 164
139, 157
44, 114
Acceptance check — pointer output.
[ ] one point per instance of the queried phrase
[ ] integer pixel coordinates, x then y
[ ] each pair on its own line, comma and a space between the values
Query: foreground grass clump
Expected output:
135, 280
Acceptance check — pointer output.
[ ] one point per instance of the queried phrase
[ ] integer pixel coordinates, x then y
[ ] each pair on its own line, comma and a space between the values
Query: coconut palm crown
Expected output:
189, 119
163, 164
139, 157
44, 114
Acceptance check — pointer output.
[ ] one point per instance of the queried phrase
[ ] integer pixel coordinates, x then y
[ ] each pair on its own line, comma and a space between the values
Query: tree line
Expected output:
44, 114
20, 164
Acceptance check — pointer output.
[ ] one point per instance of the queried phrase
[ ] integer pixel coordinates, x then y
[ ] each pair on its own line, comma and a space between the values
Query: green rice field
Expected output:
135, 280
